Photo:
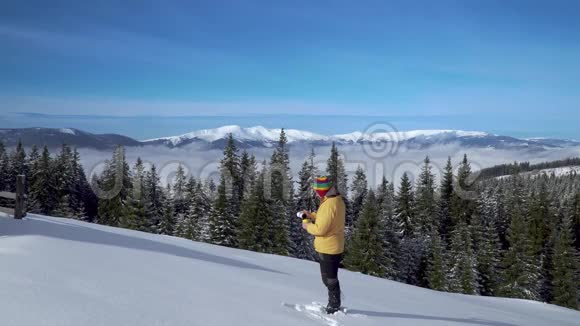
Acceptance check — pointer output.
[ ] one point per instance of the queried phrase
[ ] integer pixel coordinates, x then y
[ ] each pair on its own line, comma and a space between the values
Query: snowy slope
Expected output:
557, 172
64, 272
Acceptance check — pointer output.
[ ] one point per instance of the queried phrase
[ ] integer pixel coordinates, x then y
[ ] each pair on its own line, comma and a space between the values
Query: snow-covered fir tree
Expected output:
136, 215
462, 263
159, 207
358, 193
462, 200
366, 248
306, 199
574, 212
393, 228
281, 192
336, 172
486, 246
255, 219
201, 210
520, 269
564, 272
437, 278
4, 168
181, 192
425, 199
43, 197
222, 223
114, 186
405, 207
230, 171
444, 203
16, 166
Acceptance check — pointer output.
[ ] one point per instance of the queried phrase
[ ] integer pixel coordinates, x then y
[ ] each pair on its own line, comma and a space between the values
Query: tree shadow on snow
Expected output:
466, 321
75, 232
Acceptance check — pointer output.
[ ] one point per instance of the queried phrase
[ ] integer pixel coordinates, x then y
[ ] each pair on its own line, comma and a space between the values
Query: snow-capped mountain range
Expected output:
263, 137
259, 136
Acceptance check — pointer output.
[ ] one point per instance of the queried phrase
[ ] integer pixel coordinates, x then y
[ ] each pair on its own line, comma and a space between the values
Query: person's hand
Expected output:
305, 226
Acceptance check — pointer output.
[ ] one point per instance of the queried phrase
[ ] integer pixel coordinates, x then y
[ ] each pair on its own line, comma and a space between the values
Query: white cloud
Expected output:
204, 163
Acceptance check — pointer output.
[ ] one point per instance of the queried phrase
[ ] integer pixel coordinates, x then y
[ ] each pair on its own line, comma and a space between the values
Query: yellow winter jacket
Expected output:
328, 226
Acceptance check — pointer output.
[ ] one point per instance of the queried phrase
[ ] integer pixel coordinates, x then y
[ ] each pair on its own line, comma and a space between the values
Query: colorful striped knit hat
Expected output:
322, 185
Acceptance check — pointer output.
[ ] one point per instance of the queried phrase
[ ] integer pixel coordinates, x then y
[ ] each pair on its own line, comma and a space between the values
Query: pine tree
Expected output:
159, 207
437, 265
63, 207
366, 252
306, 199
32, 162
462, 264
444, 204
255, 219
194, 225
392, 228
222, 221
4, 168
64, 172
83, 200
565, 278
43, 192
230, 171
336, 172
281, 195
541, 219
16, 166
201, 214
462, 205
426, 204
136, 215
412, 257
520, 272
405, 207
210, 188
575, 216
248, 171
114, 186
541, 227
181, 192
359, 192
167, 223
487, 249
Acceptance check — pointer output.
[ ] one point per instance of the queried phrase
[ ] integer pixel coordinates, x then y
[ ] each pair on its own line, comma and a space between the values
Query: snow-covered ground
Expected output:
558, 172
62, 272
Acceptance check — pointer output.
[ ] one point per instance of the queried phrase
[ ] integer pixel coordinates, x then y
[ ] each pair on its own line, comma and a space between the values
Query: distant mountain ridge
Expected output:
261, 137
55, 137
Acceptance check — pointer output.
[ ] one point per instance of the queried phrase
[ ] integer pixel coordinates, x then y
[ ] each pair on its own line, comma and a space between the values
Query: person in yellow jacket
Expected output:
327, 226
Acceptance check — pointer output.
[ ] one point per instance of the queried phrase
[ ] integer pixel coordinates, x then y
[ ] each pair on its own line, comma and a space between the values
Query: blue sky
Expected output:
168, 67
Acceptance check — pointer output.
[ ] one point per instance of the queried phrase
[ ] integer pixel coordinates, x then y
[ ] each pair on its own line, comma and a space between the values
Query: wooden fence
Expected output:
18, 209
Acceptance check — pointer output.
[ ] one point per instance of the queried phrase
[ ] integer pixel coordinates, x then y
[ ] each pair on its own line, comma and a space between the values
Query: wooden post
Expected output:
19, 202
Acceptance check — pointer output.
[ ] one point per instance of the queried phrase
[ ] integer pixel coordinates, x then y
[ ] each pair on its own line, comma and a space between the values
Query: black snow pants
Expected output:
329, 272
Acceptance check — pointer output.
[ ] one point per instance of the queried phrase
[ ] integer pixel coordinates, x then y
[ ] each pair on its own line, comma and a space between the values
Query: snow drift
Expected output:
63, 272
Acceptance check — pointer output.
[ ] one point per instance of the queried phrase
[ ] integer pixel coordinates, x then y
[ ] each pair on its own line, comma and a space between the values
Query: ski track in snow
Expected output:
316, 311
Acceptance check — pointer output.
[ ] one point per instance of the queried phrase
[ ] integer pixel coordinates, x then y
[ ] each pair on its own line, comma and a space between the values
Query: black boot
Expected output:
333, 296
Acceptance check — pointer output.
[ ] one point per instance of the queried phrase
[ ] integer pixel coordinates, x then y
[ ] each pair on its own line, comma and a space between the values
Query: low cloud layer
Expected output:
202, 163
